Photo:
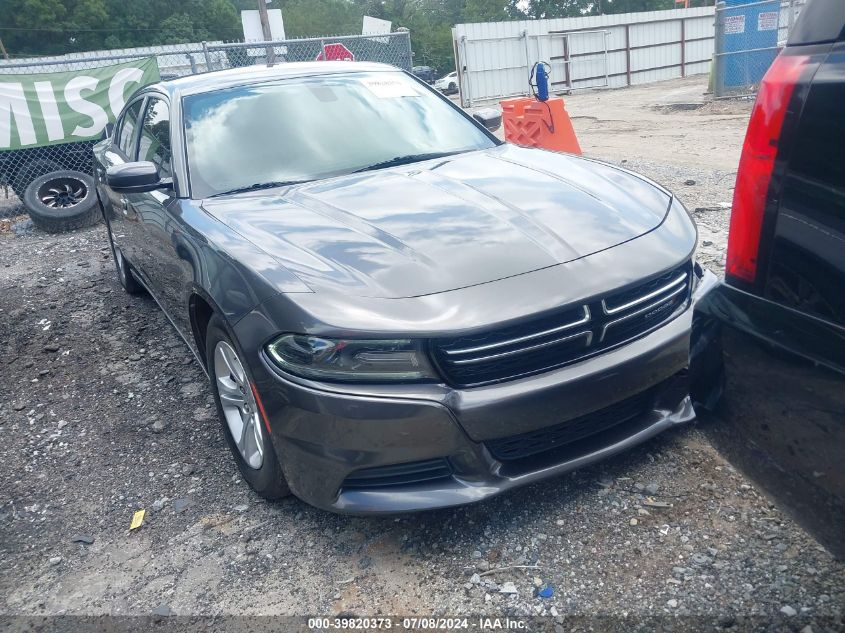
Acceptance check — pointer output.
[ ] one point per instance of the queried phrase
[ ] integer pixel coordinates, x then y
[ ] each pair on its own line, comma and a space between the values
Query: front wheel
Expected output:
242, 421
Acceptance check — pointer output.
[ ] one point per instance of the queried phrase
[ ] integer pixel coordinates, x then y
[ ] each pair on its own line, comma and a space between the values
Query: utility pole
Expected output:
265, 29
3, 50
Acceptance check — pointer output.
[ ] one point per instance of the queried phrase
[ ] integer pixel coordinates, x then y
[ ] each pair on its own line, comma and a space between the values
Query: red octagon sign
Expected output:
336, 52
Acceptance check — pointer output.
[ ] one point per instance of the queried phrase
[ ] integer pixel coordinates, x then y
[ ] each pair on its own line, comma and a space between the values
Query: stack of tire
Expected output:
57, 198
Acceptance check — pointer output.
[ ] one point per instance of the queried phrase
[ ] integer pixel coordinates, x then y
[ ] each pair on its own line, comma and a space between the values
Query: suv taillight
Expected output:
755, 166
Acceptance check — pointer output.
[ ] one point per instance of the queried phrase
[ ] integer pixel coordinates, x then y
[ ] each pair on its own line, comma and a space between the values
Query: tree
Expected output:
83, 17
19, 18
486, 10
177, 29
560, 8
51, 27
630, 6
312, 18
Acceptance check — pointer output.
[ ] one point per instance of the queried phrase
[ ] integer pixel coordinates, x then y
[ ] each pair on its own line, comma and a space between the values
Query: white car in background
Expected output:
448, 83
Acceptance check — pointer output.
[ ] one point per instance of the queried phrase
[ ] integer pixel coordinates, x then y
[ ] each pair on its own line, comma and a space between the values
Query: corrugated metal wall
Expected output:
495, 58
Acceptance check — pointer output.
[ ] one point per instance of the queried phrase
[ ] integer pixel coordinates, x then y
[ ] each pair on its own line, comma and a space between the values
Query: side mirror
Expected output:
489, 118
136, 178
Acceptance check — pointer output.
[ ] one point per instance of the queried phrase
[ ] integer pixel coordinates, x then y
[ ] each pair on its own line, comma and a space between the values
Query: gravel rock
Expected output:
508, 588
87, 539
788, 611
24, 227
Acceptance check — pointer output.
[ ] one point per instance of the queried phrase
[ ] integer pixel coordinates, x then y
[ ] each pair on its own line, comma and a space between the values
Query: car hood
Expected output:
447, 223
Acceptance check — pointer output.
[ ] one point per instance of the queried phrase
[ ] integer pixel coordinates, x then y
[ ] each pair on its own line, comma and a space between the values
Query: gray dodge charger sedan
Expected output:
397, 311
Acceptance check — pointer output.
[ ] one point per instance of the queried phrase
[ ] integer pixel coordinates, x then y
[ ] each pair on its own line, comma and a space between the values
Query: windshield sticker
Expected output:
388, 88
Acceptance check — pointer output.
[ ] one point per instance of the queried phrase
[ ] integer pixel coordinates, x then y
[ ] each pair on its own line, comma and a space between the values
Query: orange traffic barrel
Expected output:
544, 124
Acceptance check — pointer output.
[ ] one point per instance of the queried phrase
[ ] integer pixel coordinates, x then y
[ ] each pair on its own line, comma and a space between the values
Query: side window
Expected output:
126, 131
155, 136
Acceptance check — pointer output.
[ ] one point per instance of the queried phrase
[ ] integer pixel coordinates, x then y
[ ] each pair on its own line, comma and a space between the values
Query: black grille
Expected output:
399, 474
549, 438
564, 337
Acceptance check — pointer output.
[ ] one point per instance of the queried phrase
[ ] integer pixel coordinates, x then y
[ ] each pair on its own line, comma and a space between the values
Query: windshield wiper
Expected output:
260, 185
405, 160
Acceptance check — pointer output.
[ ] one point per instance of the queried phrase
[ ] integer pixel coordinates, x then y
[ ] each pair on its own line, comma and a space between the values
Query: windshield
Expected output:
315, 127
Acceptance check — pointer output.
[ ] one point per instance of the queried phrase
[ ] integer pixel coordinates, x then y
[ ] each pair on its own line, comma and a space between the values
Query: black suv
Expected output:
426, 73
783, 302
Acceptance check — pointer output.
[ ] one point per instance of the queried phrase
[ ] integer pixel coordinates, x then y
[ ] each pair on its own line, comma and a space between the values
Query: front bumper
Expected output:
325, 438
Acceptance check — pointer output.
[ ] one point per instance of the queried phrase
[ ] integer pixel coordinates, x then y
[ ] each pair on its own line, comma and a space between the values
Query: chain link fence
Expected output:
19, 167
749, 35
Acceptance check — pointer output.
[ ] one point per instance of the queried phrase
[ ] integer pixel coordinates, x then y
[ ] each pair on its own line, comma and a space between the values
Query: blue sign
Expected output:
750, 36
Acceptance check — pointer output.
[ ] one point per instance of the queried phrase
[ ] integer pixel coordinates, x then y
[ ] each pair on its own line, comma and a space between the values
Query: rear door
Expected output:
783, 416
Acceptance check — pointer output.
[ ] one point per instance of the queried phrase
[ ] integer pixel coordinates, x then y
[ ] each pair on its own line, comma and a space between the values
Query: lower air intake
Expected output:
399, 474
549, 438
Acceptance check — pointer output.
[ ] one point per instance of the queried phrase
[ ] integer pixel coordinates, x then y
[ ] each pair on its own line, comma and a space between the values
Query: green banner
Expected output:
51, 108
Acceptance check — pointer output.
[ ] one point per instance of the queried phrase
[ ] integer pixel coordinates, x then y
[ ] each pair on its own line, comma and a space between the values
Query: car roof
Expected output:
232, 77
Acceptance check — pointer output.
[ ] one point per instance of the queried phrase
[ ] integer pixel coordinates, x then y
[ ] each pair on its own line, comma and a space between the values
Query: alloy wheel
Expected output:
238, 403
62, 193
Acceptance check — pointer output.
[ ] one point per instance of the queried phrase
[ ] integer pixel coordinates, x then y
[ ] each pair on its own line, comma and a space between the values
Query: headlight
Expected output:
351, 360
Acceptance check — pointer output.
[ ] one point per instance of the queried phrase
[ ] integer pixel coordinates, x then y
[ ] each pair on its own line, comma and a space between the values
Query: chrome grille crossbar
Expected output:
521, 339
588, 336
681, 279
642, 310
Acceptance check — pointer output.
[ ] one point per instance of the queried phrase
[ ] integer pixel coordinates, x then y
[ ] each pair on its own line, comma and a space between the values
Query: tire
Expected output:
124, 274
452, 88
263, 473
30, 171
62, 201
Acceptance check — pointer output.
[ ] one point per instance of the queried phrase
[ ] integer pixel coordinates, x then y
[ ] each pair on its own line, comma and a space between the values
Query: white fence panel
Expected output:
494, 59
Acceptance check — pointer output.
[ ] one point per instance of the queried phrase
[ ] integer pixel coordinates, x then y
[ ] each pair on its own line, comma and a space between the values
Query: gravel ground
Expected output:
103, 412
707, 195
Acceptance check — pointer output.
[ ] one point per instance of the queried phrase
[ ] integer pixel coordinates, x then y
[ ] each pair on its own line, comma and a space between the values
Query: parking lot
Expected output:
103, 412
